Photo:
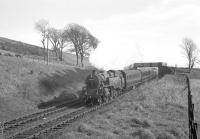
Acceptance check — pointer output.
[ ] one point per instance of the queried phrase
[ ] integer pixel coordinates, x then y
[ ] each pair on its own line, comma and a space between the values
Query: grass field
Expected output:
194, 74
156, 110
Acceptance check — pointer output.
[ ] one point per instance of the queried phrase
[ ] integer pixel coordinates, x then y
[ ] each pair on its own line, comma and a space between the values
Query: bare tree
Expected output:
42, 27
75, 35
54, 39
81, 39
87, 46
190, 52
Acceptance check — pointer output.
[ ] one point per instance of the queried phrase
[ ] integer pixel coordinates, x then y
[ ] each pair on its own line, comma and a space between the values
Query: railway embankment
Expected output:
26, 85
156, 110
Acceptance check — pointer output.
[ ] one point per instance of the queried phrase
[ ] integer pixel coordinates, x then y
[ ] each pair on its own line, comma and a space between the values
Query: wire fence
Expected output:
192, 125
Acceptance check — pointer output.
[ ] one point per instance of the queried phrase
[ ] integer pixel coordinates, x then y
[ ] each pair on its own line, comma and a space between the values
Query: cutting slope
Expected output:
25, 83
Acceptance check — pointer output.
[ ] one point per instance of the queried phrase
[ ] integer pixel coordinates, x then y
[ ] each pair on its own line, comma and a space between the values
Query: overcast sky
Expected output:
129, 30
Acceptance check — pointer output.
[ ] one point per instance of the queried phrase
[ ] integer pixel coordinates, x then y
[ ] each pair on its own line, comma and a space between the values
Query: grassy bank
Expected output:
25, 83
156, 110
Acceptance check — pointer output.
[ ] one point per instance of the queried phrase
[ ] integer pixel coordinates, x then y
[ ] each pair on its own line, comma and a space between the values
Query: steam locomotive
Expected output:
105, 85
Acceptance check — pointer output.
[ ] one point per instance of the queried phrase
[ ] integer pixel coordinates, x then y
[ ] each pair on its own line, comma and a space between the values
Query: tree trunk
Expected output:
47, 51
61, 56
189, 66
56, 53
76, 59
44, 53
76, 48
82, 60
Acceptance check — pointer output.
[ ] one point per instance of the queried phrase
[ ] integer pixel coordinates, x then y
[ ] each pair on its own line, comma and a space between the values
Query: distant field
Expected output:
156, 110
194, 74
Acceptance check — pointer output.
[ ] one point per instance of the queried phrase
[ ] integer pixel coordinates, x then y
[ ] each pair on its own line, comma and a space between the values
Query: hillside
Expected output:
26, 83
20, 47
36, 52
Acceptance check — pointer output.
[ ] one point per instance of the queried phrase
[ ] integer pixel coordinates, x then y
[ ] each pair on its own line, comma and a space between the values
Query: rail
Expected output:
8, 127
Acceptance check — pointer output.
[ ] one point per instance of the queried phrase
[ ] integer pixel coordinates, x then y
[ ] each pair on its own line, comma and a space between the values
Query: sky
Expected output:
129, 30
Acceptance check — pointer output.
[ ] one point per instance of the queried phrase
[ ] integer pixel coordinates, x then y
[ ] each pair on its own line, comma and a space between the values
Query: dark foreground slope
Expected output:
156, 110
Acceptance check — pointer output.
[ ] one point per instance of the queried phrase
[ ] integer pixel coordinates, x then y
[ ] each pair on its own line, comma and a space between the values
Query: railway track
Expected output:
62, 119
11, 126
49, 127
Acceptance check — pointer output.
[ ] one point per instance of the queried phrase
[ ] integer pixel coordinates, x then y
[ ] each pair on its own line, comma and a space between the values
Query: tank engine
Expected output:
106, 85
